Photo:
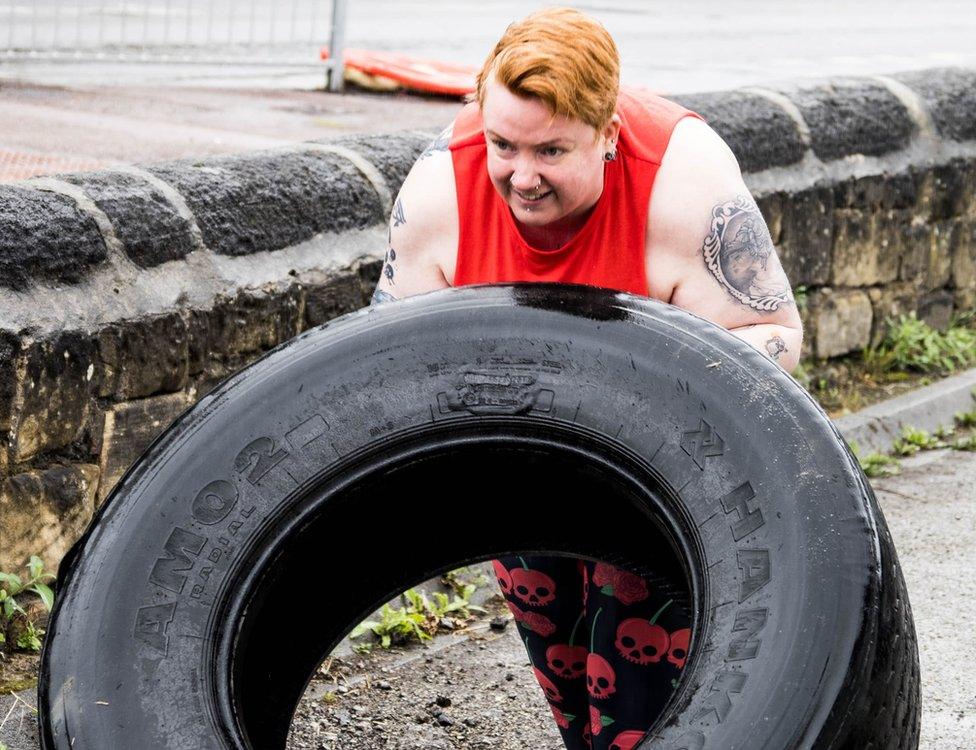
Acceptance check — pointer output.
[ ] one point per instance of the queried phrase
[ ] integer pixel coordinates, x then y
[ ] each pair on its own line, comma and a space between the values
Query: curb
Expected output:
876, 427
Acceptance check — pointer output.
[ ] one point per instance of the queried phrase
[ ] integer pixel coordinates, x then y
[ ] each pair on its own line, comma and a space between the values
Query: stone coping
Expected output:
101, 243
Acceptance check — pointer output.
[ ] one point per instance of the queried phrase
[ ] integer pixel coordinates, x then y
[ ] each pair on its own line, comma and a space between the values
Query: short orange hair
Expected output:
561, 56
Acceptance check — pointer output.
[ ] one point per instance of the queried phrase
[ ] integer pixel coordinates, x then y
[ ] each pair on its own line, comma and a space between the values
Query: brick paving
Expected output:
49, 129
20, 165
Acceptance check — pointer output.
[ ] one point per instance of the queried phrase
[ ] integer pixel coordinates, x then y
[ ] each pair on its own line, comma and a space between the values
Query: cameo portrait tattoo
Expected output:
739, 252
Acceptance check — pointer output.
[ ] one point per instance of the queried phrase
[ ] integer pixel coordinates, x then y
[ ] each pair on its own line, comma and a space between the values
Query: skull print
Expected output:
533, 587
641, 642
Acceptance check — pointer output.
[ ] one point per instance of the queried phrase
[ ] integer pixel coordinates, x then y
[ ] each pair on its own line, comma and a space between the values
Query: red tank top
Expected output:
608, 251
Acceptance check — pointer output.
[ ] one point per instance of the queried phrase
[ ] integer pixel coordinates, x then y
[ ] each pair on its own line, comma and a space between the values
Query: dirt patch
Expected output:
473, 689
17, 672
18, 669
845, 386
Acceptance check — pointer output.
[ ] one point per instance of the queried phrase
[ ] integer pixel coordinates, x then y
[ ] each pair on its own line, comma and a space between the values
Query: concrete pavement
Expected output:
932, 515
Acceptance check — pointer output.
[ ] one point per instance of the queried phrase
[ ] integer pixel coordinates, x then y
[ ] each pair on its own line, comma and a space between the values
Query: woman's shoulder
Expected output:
467, 128
647, 122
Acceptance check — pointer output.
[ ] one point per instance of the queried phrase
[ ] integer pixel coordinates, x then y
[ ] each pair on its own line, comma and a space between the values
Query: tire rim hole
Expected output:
533, 506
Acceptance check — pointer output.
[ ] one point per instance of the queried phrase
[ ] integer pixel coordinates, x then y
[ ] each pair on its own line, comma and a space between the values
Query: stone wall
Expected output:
127, 294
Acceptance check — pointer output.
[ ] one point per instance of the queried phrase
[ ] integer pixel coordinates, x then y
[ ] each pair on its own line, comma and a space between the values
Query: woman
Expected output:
555, 175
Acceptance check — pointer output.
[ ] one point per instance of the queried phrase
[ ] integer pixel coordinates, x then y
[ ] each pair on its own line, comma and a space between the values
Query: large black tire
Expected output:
545, 419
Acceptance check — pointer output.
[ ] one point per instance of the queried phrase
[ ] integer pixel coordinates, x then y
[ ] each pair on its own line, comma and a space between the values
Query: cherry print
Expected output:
552, 692
678, 653
626, 740
601, 680
503, 577
561, 718
566, 660
642, 641
533, 587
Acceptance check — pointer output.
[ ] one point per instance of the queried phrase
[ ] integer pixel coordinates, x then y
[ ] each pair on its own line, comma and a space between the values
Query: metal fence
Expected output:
262, 32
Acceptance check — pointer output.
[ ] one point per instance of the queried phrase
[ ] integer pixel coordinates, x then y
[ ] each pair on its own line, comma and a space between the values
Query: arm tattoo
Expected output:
379, 297
775, 346
388, 270
398, 217
738, 251
440, 143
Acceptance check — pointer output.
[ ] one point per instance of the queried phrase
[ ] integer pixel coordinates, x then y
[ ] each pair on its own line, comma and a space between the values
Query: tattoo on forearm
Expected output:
379, 296
739, 252
440, 143
776, 346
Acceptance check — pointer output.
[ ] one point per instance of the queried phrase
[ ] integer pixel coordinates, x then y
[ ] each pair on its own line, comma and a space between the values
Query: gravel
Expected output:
473, 689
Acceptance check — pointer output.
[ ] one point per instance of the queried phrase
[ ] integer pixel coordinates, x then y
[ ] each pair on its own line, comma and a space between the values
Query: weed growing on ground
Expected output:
965, 444
880, 465
876, 464
30, 639
966, 418
419, 619
913, 345
11, 586
912, 441
463, 581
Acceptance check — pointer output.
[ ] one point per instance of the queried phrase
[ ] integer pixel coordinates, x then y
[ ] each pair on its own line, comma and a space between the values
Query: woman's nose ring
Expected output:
537, 187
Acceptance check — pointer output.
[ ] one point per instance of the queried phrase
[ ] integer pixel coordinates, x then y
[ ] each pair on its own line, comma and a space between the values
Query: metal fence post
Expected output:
337, 40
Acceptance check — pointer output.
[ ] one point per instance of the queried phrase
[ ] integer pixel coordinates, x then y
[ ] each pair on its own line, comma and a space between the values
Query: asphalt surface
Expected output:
696, 45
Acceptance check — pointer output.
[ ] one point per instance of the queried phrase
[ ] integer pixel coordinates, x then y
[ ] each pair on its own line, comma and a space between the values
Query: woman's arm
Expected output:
711, 245
422, 228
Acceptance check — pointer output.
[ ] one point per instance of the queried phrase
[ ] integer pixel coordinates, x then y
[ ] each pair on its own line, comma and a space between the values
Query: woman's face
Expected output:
549, 170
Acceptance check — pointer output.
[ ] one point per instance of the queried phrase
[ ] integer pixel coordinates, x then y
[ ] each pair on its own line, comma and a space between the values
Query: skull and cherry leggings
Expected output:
607, 646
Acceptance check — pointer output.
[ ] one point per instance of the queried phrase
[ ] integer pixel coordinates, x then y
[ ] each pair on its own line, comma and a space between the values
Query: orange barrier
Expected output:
389, 69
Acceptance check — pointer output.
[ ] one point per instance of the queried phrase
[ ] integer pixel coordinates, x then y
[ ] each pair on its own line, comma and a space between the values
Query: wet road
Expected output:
697, 45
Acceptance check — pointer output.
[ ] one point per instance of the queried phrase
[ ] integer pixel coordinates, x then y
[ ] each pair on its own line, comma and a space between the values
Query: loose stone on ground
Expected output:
474, 690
